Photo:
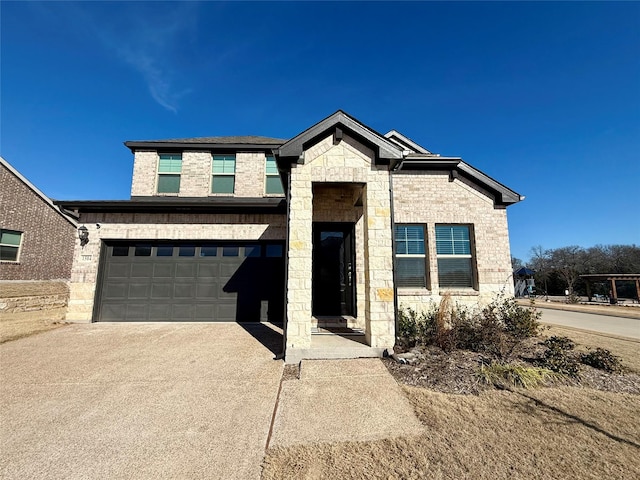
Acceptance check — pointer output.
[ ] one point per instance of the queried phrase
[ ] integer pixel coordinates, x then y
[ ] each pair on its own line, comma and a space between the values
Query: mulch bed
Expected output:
455, 372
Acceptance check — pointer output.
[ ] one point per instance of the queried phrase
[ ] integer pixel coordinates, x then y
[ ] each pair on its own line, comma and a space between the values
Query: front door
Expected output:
333, 269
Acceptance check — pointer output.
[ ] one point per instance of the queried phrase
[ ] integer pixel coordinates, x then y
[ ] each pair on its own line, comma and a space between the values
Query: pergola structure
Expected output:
612, 278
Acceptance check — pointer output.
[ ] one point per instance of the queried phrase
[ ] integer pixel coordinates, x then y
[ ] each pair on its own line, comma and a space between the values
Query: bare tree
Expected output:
569, 263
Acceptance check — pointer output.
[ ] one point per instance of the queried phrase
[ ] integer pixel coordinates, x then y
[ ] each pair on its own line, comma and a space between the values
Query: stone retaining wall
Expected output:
17, 297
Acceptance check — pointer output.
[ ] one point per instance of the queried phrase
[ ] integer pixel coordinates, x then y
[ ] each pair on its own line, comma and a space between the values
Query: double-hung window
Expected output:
273, 184
454, 253
10, 243
169, 170
410, 256
224, 174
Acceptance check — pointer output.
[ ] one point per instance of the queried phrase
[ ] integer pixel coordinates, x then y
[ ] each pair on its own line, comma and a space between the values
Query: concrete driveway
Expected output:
138, 401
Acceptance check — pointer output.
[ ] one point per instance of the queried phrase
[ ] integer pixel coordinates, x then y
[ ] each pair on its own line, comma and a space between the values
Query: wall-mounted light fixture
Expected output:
83, 235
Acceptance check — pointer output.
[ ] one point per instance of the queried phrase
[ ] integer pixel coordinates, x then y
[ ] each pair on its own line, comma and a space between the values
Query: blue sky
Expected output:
544, 97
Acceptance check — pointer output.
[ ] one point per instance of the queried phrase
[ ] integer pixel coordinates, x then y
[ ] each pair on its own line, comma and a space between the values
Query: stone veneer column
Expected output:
380, 324
299, 265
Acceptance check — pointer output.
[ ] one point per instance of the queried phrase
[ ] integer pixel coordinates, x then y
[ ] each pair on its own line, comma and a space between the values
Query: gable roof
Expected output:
339, 120
237, 141
35, 190
405, 142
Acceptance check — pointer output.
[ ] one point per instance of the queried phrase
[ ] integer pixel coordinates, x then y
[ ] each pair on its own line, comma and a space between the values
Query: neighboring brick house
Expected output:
329, 231
36, 237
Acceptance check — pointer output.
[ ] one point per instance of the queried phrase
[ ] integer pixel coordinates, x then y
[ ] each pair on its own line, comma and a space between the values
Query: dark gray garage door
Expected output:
191, 282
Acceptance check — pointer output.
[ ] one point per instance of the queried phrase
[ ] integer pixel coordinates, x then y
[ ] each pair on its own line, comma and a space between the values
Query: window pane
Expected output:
230, 251
409, 239
274, 185
252, 251
164, 251
274, 250
10, 237
452, 240
143, 251
410, 272
9, 254
208, 251
170, 164
272, 167
119, 251
168, 183
455, 272
187, 251
224, 164
223, 184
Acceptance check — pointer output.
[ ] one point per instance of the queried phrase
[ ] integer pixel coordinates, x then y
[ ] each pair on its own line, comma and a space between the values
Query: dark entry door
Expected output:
333, 269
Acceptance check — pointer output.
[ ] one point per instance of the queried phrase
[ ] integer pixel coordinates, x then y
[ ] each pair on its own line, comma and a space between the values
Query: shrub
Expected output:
415, 327
505, 375
558, 356
602, 359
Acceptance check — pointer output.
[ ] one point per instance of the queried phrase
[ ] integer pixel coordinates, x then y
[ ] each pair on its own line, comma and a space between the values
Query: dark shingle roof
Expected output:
241, 141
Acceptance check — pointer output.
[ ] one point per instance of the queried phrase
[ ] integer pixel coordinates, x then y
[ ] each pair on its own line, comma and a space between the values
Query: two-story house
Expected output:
329, 231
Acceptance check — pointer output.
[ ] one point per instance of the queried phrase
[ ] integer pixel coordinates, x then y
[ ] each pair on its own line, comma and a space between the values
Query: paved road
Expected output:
624, 327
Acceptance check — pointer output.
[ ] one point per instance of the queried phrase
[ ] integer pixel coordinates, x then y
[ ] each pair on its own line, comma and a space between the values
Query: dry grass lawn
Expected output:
19, 325
550, 433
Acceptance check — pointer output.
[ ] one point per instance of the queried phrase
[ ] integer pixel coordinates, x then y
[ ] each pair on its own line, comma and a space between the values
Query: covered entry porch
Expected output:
339, 285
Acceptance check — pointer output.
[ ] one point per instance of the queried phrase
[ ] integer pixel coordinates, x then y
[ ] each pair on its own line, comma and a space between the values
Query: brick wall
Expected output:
195, 179
428, 197
47, 237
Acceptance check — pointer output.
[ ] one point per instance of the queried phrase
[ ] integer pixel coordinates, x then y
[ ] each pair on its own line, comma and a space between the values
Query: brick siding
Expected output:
47, 237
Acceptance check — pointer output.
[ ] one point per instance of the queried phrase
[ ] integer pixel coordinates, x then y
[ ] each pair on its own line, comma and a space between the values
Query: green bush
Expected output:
602, 359
505, 375
559, 358
415, 328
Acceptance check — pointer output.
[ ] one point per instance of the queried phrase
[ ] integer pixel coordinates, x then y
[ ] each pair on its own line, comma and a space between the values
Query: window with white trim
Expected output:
410, 256
455, 258
10, 243
273, 183
169, 170
223, 174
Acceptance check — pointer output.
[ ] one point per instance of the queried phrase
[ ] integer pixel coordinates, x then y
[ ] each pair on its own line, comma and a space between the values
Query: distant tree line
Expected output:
559, 269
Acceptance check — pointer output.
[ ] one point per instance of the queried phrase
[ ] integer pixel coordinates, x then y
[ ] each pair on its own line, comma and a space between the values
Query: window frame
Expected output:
471, 256
12, 246
424, 256
268, 175
170, 173
223, 174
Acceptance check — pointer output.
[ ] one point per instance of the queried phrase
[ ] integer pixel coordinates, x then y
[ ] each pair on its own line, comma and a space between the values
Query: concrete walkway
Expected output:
342, 400
143, 401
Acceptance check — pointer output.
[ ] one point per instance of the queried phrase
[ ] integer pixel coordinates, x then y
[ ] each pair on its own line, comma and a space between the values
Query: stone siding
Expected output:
47, 236
351, 163
430, 198
171, 226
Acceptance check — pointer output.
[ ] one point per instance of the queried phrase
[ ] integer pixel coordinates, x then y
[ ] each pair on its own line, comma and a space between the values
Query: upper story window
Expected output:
169, 169
410, 256
10, 243
455, 257
273, 184
224, 174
